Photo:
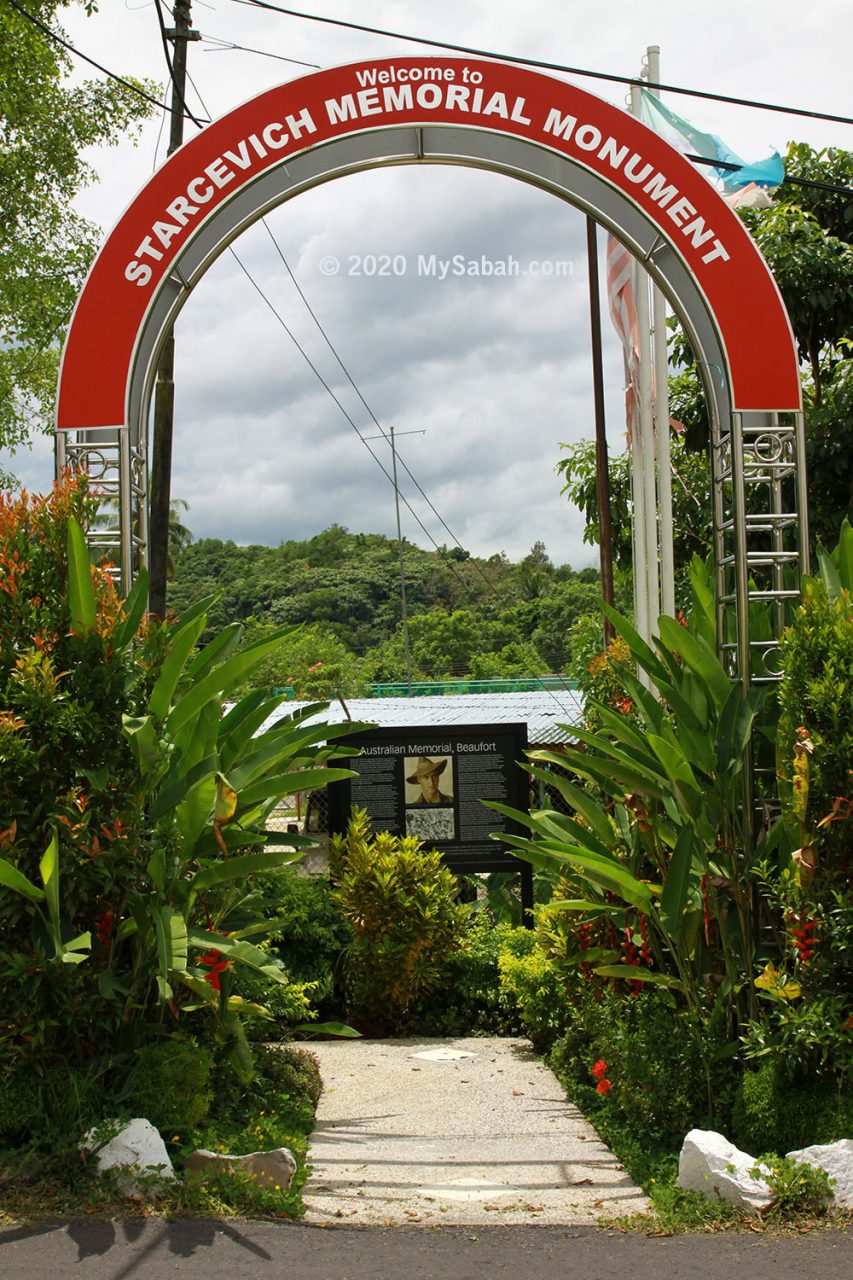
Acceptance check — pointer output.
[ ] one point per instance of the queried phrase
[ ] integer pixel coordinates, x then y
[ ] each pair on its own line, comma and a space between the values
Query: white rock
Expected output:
711, 1164
136, 1148
271, 1168
837, 1159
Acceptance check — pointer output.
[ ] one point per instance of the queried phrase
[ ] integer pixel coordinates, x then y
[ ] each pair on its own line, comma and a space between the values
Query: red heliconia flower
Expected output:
645, 950
599, 1070
215, 963
604, 1086
104, 927
583, 933
802, 936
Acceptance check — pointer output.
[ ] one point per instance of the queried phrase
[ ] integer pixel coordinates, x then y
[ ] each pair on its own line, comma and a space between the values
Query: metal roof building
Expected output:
549, 714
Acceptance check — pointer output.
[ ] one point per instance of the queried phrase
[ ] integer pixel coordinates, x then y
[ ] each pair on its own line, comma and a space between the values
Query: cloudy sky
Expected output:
495, 371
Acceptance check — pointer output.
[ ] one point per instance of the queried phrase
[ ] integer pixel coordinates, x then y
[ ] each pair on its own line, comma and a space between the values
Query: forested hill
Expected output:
467, 616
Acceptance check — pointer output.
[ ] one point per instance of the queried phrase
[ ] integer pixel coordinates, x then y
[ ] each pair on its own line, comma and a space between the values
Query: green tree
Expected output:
312, 661
559, 611
814, 272
691, 499
45, 247
830, 167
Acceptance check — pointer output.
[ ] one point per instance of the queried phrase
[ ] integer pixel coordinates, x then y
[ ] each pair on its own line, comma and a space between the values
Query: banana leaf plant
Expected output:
204, 776
660, 836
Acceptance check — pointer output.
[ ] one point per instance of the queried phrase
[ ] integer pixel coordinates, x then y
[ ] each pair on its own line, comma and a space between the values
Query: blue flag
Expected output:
687, 138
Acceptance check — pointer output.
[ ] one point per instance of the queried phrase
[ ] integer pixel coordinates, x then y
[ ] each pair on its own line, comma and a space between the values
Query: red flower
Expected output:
215, 963
803, 938
604, 1086
104, 927
600, 1070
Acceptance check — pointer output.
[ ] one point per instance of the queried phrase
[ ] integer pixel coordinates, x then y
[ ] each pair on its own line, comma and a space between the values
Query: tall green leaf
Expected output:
581, 801
133, 610
192, 814
645, 656
81, 592
240, 952
140, 733
220, 648
172, 668
287, 784
221, 678
229, 869
700, 658
172, 946
49, 872
13, 879
634, 973
673, 900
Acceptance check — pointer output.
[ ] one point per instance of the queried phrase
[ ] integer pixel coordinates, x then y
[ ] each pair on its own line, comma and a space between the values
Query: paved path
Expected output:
465, 1131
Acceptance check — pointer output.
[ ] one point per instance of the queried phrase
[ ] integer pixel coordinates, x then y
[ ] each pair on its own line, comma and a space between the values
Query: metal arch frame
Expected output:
758, 468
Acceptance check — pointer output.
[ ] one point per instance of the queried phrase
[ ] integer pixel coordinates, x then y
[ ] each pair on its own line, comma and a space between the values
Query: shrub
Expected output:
529, 980
286, 1086
469, 998
798, 1189
311, 945
773, 1113
400, 902
19, 1104
655, 1065
127, 852
817, 696
170, 1084
51, 1107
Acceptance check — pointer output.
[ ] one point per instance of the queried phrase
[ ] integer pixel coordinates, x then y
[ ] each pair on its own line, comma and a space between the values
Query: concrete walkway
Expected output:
465, 1131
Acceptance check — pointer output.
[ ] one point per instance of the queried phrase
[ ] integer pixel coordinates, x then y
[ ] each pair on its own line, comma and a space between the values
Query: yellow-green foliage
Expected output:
817, 696
400, 902
529, 978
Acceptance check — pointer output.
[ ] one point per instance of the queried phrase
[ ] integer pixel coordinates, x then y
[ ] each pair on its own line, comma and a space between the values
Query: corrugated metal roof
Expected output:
545, 712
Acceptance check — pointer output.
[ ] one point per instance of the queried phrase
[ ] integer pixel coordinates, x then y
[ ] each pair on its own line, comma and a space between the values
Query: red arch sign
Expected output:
225, 159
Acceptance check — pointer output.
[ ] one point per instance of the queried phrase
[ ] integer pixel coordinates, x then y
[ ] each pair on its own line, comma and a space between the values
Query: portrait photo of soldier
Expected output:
428, 781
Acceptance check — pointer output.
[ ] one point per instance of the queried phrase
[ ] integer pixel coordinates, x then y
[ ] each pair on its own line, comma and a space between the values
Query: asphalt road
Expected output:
149, 1249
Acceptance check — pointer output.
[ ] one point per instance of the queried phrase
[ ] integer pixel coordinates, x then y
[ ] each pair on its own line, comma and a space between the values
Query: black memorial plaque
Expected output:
431, 782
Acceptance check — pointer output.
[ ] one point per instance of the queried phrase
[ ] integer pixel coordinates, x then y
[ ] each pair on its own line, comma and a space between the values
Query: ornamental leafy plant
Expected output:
807, 995
400, 902
133, 802
658, 847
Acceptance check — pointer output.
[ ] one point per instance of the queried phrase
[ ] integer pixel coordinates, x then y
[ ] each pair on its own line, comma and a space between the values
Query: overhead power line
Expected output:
466, 587
550, 66
490, 585
78, 53
228, 46
358, 392
318, 375
350, 379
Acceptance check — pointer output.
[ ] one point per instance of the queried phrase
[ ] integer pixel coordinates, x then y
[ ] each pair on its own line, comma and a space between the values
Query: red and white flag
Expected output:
623, 313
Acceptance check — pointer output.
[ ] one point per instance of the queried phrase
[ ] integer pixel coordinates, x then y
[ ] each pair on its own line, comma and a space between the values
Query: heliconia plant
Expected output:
127, 854
660, 845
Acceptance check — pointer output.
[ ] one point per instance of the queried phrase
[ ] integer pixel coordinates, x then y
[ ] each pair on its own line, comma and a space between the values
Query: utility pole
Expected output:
602, 471
164, 399
403, 609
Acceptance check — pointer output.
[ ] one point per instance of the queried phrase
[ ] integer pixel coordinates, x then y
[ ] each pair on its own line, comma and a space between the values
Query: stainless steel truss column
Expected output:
761, 538
116, 471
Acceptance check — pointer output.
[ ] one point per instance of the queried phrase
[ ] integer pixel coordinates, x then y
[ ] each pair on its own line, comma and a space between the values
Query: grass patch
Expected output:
277, 1110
